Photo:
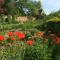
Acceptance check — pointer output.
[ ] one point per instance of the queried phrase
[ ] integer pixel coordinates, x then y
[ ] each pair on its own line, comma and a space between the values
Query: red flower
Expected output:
20, 35
17, 33
13, 39
10, 34
58, 40
29, 42
1, 38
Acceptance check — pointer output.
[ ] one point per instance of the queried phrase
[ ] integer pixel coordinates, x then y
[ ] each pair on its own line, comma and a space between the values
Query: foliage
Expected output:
31, 43
34, 7
54, 19
22, 7
53, 14
19, 49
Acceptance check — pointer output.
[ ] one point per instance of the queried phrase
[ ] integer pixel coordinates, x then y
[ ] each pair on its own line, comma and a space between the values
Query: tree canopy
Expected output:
21, 7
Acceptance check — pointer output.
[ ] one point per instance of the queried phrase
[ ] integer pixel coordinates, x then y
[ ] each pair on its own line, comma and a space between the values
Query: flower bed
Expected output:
27, 46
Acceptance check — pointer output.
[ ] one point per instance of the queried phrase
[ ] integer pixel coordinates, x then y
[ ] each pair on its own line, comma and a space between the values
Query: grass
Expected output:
24, 26
25, 52
21, 50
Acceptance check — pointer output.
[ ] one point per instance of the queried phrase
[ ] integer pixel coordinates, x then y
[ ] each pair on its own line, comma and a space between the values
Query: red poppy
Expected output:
58, 40
17, 33
29, 42
1, 38
20, 35
10, 34
13, 39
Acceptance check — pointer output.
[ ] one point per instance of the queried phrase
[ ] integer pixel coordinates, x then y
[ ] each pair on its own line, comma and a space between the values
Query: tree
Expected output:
11, 9
53, 14
33, 7
2, 8
22, 7
28, 7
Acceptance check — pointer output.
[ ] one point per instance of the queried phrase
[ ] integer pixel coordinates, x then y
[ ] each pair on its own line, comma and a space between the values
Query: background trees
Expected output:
21, 7
2, 8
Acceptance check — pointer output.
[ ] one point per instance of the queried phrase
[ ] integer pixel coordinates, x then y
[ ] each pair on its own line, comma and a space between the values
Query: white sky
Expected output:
50, 5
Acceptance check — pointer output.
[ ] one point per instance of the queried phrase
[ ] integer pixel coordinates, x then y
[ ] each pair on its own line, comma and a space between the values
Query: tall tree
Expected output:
22, 6
29, 7
34, 7
11, 9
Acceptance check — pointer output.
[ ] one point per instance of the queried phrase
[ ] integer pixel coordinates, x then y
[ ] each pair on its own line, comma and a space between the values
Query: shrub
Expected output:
37, 51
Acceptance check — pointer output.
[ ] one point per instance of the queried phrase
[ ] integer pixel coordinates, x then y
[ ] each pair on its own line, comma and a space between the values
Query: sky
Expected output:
50, 5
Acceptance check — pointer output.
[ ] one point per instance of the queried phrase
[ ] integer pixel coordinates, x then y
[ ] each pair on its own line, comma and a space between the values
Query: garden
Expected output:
37, 39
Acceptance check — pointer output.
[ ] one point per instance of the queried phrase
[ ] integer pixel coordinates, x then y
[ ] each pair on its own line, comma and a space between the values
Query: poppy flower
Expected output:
17, 33
58, 40
1, 38
10, 34
20, 35
13, 39
29, 42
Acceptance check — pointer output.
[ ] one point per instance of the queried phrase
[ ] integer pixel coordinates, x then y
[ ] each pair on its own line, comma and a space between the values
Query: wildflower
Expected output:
13, 39
17, 33
58, 40
29, 42
1, 38
40, 34
10, 34
20, 35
